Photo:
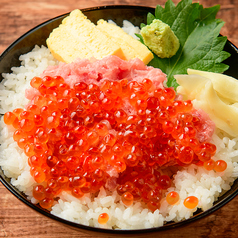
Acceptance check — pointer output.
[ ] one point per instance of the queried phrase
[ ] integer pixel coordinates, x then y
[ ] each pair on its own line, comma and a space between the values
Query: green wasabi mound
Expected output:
160, 39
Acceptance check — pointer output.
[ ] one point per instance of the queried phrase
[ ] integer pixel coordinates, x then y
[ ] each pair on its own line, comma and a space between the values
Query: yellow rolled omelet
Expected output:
78, 37
131, 47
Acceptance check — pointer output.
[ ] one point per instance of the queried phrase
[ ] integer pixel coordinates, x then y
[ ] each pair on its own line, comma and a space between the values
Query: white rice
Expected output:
129, 28
207, 186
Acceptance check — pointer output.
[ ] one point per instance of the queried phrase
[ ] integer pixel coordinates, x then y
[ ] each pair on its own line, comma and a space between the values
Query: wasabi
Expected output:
160, 39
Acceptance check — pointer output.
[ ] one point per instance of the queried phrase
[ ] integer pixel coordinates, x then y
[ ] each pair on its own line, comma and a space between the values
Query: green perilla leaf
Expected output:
201, 46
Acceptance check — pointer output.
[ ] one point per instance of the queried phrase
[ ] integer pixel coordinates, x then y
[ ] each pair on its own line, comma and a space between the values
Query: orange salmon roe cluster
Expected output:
117, 135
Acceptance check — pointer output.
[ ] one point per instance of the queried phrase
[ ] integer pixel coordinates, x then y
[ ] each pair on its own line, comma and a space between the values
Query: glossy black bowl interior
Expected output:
37, 36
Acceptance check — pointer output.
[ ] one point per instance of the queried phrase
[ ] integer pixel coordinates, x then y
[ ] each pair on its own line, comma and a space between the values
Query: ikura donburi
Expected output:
120, 134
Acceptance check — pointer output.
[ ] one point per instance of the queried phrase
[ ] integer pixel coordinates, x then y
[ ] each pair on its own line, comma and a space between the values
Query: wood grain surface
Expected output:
17, 220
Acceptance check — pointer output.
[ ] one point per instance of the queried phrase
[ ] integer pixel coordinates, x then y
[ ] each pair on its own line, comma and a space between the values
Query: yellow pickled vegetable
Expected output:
207, 93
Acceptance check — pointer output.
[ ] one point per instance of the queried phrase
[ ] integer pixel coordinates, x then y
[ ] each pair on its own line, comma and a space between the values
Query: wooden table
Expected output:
17, 220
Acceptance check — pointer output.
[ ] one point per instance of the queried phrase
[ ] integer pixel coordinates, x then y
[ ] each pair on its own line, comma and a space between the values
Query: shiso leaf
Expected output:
201, 46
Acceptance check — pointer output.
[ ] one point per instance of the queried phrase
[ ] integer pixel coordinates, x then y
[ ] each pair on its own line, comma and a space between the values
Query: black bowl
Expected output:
38, 36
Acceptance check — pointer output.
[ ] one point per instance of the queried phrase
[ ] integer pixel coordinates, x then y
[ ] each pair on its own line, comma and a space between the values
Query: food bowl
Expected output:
38, 36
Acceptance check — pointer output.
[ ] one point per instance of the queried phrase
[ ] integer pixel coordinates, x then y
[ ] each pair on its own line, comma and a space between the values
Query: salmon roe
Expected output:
172, 198
190, 202
220, 166
78, 139
103, 218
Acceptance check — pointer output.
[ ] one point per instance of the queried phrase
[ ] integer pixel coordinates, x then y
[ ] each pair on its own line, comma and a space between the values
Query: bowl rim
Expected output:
167, 226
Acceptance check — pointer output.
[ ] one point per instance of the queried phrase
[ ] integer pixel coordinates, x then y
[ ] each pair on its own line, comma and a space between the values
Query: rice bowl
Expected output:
155, 221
